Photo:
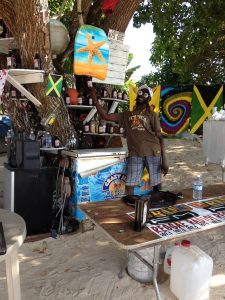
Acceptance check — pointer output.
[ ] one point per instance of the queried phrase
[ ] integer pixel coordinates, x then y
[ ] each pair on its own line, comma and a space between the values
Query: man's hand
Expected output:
164, 167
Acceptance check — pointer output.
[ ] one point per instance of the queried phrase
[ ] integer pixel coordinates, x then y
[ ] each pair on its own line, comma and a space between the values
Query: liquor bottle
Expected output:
80, 100
114, 94
10, 60
100, 127
37, 62
104, 93
92, 126
119, 94
87, 127
125, 96
56, 142
90, 100
67, 99
89, 81
13, 93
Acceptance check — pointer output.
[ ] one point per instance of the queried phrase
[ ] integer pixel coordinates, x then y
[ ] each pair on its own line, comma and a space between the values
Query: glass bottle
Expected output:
104, 93
56, 142
114, 94
119, 94
37, 62
10, 60
125, 96
87, 127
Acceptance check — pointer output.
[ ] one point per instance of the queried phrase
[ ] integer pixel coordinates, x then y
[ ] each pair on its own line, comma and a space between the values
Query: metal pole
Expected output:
156, 262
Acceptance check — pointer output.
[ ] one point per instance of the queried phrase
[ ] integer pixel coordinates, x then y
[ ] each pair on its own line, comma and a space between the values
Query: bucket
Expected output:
191, 272
137, 269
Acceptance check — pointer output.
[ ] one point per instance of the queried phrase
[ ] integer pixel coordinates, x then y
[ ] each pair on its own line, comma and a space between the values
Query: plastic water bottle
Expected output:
32, 135
48, 140
191, 272
197, 188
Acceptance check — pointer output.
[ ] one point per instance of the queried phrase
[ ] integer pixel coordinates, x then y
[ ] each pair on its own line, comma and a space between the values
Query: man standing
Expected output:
144, 140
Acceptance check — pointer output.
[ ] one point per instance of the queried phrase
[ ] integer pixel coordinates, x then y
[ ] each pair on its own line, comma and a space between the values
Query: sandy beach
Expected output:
85, 266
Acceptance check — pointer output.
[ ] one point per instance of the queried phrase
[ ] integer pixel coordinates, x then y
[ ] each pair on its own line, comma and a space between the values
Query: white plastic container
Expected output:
191, 272
137, 269
168, 258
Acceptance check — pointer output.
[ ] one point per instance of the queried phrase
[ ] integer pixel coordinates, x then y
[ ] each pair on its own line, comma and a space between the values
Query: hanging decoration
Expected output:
91, 52
59, 37
108, 6
54, 85
3, 76
175, 108
204, 98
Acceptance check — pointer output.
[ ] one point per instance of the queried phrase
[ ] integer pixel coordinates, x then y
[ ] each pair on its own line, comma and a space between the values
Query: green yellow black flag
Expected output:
204, 98
54, 86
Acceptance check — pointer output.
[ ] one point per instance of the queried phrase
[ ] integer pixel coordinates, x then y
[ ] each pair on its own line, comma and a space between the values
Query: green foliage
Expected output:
190, 35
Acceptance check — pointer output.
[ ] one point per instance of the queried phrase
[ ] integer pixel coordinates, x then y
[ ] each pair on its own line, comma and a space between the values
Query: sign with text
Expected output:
183, 218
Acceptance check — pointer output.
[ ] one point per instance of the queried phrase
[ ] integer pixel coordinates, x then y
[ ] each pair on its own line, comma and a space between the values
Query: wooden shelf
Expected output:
80, 106
6, 44
26, 76
108, 134
117, 100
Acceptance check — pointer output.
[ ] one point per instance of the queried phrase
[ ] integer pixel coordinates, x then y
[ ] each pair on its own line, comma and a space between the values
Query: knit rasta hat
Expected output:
144, 86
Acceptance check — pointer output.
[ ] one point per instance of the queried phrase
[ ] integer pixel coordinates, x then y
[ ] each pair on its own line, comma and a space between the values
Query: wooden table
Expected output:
15, 232
111, 216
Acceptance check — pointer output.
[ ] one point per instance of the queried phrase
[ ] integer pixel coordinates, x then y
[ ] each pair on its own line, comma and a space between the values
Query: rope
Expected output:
80, 13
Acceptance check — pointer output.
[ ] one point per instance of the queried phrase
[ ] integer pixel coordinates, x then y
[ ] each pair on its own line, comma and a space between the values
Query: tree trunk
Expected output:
29, 24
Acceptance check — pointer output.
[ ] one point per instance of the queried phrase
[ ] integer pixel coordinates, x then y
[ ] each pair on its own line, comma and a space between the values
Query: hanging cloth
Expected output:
108, 6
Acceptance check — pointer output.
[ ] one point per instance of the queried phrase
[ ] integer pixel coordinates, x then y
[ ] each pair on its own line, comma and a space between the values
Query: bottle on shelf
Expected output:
48, 140
96, 126
119, 94
37, 61
80, 100
104, 93
124, 95
89, 81
13, 92
67, 99
121, 130
87, 127
111, 129
92, 126
114, 94
32, 136
89, 100
56, 142
101, 128
10, 60
73, 142
197, 188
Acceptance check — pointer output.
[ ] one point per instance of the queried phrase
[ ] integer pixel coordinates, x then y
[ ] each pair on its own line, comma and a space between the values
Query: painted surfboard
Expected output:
91, 52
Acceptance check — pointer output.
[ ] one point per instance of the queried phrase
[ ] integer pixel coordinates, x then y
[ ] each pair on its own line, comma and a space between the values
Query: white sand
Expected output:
86, 265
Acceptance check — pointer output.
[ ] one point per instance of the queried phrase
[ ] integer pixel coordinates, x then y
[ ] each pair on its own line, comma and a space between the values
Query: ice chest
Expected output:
191, 272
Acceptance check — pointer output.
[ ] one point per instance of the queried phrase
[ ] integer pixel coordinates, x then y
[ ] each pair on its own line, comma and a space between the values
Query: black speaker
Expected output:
27, 154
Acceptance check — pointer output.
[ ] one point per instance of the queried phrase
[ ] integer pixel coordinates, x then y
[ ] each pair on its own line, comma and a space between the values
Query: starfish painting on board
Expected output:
91, 52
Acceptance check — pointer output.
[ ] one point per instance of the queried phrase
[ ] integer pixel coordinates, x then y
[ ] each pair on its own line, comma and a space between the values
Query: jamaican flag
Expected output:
54, 85
204, 98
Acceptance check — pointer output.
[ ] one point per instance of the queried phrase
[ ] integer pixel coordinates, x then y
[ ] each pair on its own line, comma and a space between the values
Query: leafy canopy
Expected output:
190, 38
